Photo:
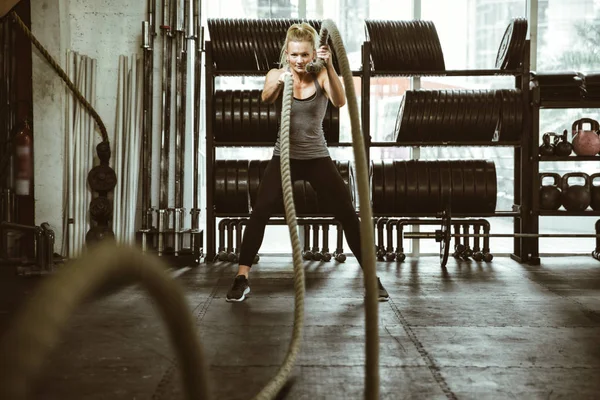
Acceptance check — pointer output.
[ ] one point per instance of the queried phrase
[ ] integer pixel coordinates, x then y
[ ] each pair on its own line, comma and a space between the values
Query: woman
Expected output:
309, 156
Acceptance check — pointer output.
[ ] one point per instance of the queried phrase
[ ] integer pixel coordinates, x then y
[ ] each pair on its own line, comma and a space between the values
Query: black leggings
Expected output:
325, 179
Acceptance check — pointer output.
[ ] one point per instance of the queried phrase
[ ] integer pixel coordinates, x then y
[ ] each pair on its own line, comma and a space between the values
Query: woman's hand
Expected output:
324, 53
281, 79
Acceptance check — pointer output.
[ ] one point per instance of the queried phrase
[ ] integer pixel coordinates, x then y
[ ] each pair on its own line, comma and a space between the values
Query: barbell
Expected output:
443, 235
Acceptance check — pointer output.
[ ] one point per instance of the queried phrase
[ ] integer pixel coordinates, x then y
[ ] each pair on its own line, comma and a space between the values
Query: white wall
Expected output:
102, 30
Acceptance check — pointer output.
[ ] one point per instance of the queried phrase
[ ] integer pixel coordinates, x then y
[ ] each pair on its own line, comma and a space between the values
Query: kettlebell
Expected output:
547, 148
576, 197
550, 195
586, 143
562, 148
595, 201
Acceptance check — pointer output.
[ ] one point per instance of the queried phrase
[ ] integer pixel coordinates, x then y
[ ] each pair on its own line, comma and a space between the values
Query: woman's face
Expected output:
299, 54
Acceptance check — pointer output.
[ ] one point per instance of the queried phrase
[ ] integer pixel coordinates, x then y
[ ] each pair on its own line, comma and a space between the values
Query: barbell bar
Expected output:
437, 234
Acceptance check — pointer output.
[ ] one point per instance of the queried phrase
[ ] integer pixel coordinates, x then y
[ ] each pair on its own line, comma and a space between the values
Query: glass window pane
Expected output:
568, 35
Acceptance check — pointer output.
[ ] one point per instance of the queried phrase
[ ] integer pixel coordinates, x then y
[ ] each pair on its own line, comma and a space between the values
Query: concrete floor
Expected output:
480, 331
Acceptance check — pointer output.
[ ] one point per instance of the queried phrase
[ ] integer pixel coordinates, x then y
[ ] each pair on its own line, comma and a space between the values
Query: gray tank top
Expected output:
307, 139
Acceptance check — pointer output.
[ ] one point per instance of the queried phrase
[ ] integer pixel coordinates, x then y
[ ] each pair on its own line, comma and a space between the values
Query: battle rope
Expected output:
36, 329
62, 74
366, 218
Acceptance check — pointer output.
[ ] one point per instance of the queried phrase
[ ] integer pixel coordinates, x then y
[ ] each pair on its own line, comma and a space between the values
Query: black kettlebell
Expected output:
547, 148
562, 148
576, 197
550, 195
595, 201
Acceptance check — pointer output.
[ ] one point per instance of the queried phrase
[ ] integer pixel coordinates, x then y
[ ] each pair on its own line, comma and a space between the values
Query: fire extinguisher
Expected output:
24, 161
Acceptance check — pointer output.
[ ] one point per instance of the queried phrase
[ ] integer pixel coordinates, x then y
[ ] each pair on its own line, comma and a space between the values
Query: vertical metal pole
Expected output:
532, 16
210, 156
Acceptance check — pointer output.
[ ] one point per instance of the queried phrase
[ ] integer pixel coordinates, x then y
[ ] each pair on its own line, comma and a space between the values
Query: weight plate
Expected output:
445, 184
220, 186
230, 185
491, 187
228, 116
504, 49
480, 183
412, 187
422, 202
102, 178
218, 111
253, 180
470, 202
246, 129
238, 133
434, 186
263, 124
440, 63
445, 238
101, 209
242, 187
389, 186
400, 171
457, 203
377, 186
254, 131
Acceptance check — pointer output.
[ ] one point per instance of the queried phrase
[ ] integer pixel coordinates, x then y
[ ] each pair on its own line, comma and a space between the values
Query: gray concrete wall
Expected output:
102, 30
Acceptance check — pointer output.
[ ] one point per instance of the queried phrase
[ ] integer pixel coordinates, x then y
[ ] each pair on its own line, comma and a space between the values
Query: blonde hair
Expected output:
302, 32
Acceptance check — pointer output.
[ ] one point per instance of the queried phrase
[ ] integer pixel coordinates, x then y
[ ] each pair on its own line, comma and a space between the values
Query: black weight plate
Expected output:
458, 195
263, 123
217, 42
395, 53
375, 45
470, 98
450, 117
445, 183
228, 55
403, 120
246, 111
445, 239
409, 49
400, 45
389, 186
504, 49
516, 57
220, 186
470, 201
228, 116
400, 170
242, 186
238, 135
382, 45
412, 187
480, 183
518, 107
496, 114
434, 116
426, 119
261, 47
218, 111
274, 119
247, 45
377, 187
439, 54
479, 122
434, 186
254, 132
418, 133
425, 39
444, 133
231, 185
491, 186
506, 117
253, 180
422, 201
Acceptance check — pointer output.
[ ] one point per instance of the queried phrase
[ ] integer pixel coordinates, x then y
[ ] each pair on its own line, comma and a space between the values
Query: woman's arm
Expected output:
331, 81
273, 85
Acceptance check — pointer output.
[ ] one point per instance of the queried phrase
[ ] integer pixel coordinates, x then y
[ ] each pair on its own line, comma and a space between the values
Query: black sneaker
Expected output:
382, 293
239, 289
